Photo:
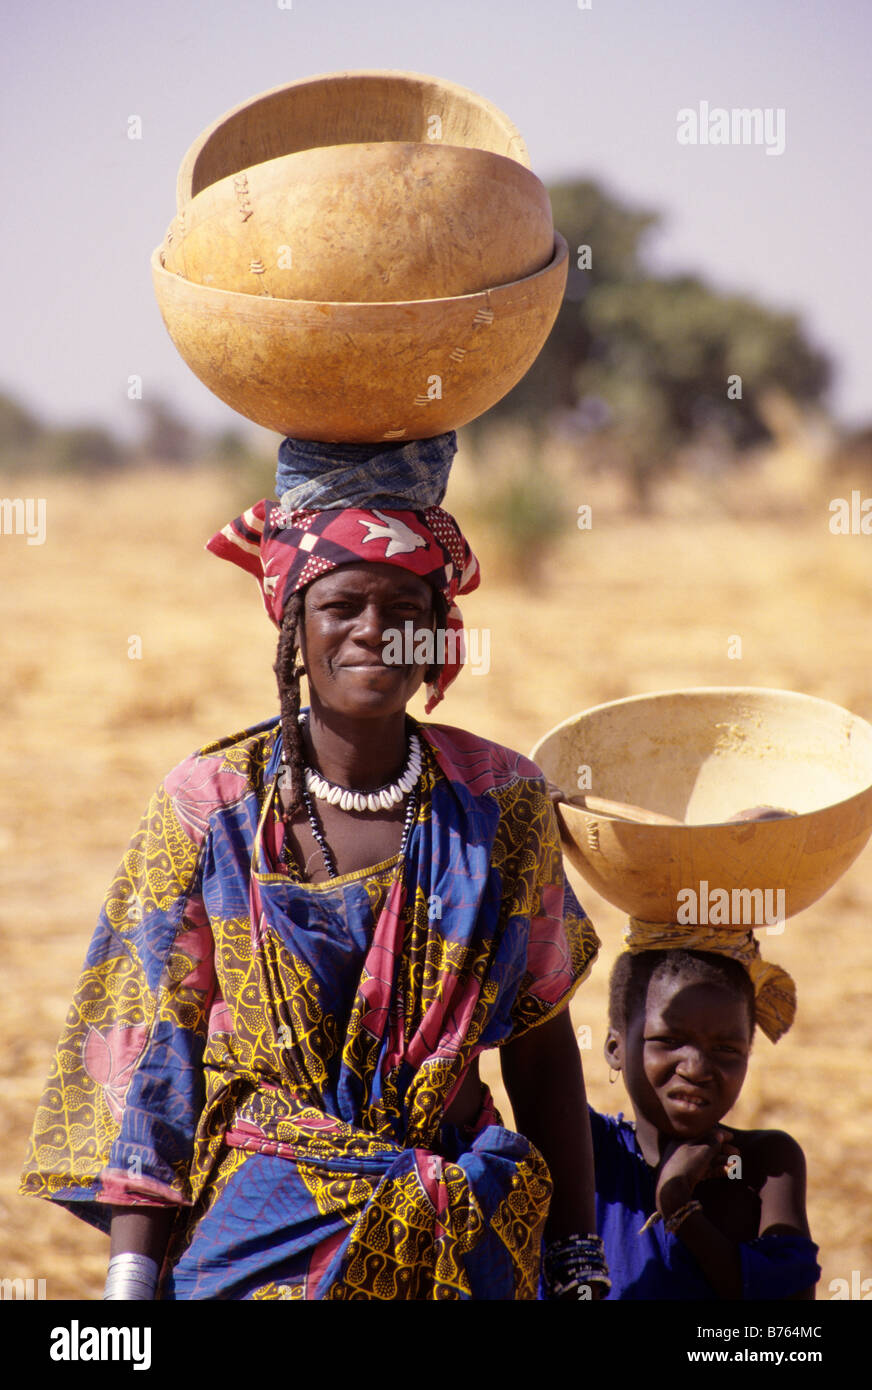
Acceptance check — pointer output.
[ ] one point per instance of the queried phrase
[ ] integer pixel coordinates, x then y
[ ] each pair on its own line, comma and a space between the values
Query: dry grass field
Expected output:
632, 605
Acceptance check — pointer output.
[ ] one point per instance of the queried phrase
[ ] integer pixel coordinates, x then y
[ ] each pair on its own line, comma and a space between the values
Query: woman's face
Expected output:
685, 1058
348, 616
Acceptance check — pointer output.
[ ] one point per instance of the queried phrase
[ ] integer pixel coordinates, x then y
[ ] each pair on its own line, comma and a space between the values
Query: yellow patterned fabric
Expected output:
774, 989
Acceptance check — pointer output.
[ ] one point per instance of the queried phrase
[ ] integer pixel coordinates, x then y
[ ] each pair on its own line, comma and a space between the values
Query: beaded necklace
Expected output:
408, 782
320, 839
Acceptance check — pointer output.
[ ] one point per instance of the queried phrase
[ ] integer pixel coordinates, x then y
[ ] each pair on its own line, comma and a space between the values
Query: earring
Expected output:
613, 1075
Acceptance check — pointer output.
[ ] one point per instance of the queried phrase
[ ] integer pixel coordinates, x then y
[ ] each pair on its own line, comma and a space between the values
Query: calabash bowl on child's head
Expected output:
701, 756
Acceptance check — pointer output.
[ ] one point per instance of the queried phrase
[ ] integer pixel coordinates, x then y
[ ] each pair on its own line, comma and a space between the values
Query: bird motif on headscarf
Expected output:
401, 538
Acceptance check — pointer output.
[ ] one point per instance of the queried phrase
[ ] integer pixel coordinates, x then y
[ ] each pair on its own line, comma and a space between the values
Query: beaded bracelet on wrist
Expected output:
678, 1218
672, 1223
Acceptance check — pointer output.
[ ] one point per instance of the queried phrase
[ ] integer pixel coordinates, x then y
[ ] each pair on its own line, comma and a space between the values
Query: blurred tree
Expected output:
852, 457
673, 360
604, 235
649, 364
686, 341
86, 448
17, 426
25, 442
166, 436
228, 447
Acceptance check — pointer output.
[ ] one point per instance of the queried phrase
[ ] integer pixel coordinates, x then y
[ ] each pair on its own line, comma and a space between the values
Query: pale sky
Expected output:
595, 93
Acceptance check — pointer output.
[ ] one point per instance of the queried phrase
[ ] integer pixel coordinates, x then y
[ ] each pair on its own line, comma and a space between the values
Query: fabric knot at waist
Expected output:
315, 1137
352, 1165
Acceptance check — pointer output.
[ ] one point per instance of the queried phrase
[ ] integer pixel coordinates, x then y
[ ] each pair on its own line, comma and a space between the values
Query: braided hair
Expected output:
288, 672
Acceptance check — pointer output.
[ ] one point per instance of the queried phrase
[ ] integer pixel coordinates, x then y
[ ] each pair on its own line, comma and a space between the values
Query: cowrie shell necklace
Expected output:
382, 799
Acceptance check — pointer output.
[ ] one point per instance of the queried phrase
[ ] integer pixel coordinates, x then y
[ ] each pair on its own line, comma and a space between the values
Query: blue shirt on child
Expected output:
657, 1265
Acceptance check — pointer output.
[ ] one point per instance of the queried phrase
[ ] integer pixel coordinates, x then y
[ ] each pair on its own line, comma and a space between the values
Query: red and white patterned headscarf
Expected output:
285, 551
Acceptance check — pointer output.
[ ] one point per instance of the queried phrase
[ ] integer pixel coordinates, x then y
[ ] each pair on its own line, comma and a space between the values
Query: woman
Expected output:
269, 1073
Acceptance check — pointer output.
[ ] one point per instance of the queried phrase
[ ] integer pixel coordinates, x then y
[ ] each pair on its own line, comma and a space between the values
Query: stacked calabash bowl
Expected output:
700, 757
359, 257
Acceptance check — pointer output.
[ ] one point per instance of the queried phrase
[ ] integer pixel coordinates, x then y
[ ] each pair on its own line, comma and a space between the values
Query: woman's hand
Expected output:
543, 1077
558, 797
555, 793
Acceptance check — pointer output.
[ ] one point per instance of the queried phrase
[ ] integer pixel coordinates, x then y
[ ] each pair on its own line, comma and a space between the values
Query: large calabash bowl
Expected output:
362, 372
366, 223
344, 108
701, 756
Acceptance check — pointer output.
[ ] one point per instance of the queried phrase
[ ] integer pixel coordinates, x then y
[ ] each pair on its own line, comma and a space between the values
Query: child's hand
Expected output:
689, 1163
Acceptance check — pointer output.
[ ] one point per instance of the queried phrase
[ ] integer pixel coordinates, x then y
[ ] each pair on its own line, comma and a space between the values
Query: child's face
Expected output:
685, 1059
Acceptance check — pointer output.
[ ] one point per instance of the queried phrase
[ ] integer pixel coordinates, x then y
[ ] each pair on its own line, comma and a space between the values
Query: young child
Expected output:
687, 1207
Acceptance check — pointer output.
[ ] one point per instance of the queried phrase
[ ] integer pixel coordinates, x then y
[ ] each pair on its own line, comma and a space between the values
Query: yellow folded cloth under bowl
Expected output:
774, 989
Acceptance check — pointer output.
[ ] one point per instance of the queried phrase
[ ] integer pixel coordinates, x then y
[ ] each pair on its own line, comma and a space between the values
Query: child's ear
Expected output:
613, 1049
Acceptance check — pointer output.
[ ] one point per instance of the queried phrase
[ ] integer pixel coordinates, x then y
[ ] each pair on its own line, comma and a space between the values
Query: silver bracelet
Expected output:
131, 1277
